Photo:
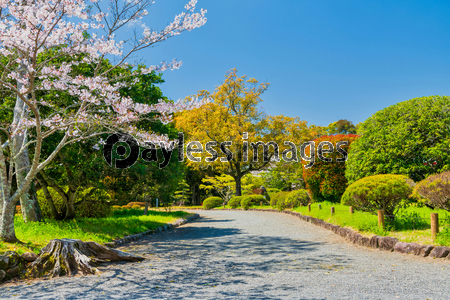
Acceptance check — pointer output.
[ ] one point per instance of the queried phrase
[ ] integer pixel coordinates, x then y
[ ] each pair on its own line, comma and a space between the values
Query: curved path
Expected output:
251, 255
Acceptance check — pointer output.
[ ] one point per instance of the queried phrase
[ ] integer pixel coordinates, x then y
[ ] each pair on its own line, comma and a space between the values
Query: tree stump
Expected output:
70, 257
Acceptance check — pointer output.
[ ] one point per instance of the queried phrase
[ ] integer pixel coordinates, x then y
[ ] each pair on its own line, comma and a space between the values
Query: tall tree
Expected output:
234, 118
30, 30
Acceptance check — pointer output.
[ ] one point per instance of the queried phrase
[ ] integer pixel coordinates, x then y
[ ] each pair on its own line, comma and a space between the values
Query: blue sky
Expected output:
325, 60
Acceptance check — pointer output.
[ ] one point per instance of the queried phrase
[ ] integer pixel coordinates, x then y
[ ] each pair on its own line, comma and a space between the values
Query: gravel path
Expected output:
250, 255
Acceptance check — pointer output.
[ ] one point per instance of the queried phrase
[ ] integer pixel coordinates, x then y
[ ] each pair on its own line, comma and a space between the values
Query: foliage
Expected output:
273, 190
223, 185
212, 202
234, 116
251, 182
284, 176
235, 201
410, 138
124, 222
138, 204
436, 189
379, 192
297, 197
250, 200
340, 127
274, 199
326, 180
93, 209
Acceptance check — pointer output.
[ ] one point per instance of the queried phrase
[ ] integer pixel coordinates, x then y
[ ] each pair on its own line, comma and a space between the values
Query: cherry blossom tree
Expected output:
41, 42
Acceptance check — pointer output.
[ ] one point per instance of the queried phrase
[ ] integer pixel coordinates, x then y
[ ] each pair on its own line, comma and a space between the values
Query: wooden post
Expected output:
320, 206
309, 207
332, 210
381, 218
434, 225
351, 210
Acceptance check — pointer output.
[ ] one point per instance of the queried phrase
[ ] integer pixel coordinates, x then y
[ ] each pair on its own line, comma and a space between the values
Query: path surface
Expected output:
251, 255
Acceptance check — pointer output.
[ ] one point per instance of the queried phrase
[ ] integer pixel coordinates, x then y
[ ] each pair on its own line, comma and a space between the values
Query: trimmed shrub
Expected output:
235, 201
139, 204
372, 193
436, 190
297, 197
273, 190
410, 138
212, 202
250, 200
116, 207
326, 180
276, 198
92, 209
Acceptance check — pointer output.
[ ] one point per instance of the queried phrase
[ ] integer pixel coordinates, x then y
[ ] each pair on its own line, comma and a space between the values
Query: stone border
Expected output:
386, 243
137, 236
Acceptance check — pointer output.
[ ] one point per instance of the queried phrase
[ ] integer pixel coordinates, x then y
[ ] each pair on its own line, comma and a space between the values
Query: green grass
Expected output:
34, 236
412, 224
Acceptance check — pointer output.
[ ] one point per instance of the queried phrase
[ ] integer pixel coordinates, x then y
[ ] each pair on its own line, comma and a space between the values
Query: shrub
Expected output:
409, 138
235, 201
372, 193
139, 204
136, 207
116, 207
273, 190
276, 198
250, 200
436, 189
212, 202
297, 197
326, 180
92, 209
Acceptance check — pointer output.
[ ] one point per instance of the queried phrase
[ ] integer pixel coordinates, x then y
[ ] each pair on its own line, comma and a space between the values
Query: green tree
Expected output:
410, 137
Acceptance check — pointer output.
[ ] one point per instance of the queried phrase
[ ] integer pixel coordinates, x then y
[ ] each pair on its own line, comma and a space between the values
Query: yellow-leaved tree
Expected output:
233, 136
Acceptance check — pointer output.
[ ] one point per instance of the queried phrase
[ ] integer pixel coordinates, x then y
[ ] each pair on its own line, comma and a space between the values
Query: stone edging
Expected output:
137, 236
381, 242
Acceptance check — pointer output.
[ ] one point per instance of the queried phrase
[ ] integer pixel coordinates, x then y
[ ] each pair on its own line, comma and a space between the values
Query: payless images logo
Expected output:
124, 157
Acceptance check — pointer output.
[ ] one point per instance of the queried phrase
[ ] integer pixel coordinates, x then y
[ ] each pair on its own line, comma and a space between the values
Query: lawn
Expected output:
34, 236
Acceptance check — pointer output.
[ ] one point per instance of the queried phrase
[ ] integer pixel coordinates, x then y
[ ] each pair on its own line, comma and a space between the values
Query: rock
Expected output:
425, 250
13, 272
165, 227
364, 241
408, 248
29, 256
373, 242
387, 243
440, 252
2, 275
355, 238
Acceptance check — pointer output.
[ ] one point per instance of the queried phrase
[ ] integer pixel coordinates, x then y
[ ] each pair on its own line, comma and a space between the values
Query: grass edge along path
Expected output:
412, 224
34, 236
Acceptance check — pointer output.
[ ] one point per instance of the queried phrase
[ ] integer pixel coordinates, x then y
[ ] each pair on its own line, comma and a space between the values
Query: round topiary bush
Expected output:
250, 200
410, 138
276, 198
436, 190
212, 202
379, 192
297, 197
235, 201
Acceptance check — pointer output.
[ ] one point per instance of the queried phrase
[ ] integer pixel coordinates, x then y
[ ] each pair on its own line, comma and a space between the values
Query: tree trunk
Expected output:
69, 257
48, 198
7, 232
70, 206
146, 199
238, 185
28, 200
